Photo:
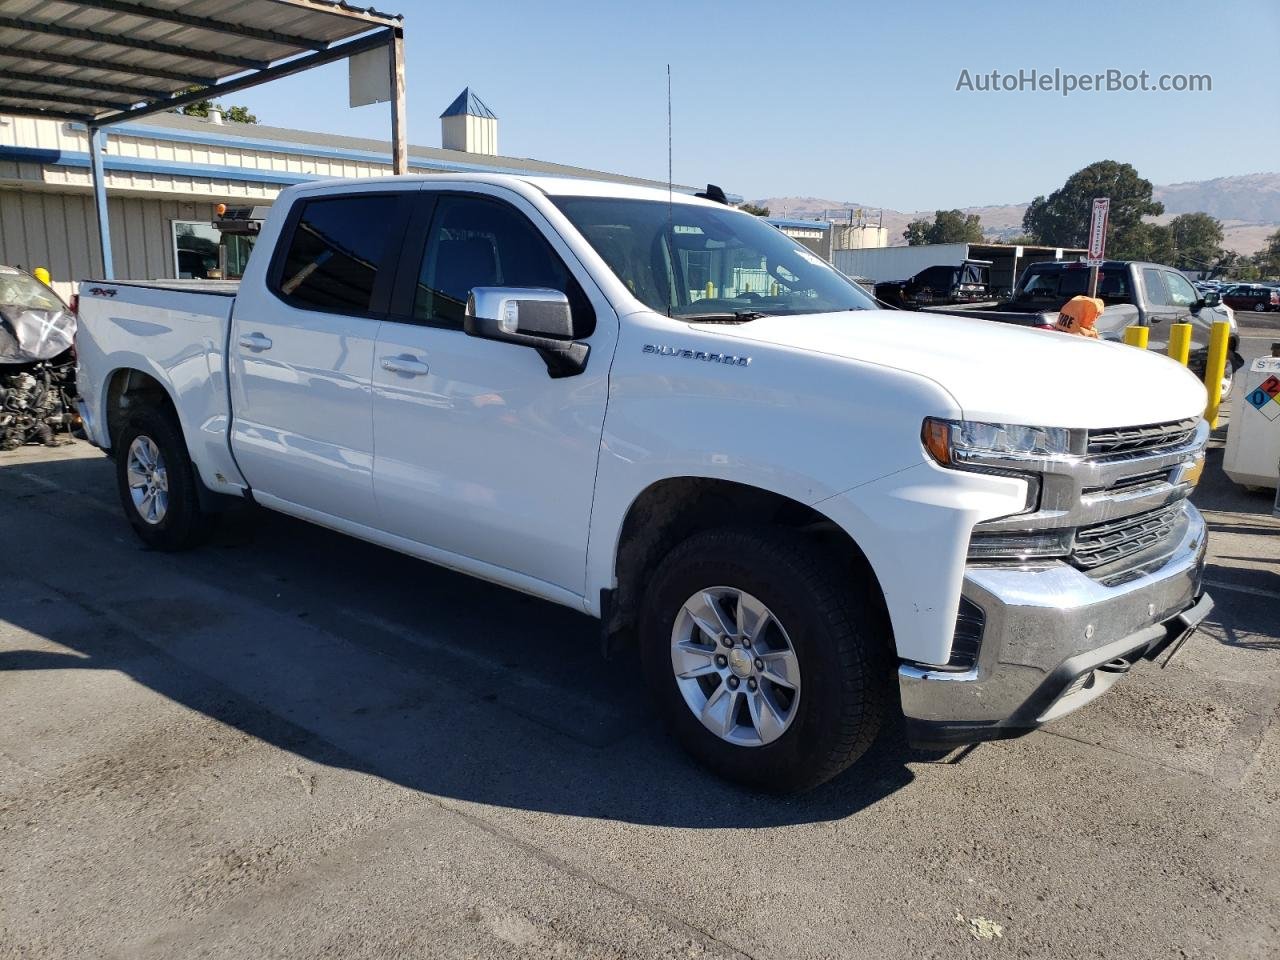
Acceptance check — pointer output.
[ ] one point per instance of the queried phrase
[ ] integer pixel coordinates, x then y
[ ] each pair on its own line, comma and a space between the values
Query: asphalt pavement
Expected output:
293, 744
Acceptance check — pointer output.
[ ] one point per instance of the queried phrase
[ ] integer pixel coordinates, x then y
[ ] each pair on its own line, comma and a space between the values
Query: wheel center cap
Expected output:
740, 662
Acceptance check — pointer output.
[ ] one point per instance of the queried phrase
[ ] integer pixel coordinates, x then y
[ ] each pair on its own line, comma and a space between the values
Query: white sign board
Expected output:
370, 77
1098, 229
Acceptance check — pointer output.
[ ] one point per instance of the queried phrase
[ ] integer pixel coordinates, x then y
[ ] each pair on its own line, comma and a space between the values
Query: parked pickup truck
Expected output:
1132, 292
970, 282
808, 513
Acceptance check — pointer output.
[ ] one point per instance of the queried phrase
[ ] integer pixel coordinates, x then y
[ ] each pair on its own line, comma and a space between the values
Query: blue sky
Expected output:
843, 100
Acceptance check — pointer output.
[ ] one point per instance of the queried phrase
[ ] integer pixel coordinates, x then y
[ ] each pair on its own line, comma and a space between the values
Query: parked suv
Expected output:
1252, 296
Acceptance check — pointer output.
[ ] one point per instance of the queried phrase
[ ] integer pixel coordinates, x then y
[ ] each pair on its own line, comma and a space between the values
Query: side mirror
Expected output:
528, 317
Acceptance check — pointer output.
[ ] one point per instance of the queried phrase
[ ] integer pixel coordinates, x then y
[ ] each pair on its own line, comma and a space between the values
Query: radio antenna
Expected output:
671, 204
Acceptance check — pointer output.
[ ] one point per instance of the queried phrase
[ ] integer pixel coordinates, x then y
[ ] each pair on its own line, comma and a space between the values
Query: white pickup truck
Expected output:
810, 514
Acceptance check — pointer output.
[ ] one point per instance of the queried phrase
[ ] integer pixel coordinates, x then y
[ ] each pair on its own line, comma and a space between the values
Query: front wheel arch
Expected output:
669, 511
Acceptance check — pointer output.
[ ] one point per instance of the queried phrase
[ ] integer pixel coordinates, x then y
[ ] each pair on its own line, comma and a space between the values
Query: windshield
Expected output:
688, 260
17, 289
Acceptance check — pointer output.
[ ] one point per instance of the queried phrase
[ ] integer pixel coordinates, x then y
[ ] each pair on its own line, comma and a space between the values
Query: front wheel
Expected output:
768, 667
157, 482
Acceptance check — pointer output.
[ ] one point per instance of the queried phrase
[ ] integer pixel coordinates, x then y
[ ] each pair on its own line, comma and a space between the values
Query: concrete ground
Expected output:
293, 744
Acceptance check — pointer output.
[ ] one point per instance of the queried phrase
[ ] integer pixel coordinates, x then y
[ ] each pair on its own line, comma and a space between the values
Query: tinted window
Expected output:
337, 247
1157, 296
477, 242
1113, 286
937, 276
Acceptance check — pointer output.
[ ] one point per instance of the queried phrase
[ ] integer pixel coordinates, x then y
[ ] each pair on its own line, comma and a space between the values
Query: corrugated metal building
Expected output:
899, 263
165, 174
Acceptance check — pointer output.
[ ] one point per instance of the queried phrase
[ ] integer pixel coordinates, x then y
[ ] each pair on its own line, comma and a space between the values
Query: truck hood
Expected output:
994, 371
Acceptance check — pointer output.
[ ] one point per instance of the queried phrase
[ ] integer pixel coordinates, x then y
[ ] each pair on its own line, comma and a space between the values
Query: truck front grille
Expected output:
1145, 439
1107, 542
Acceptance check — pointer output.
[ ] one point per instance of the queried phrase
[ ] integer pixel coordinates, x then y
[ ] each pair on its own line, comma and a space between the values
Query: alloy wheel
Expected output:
148, 479
735, 666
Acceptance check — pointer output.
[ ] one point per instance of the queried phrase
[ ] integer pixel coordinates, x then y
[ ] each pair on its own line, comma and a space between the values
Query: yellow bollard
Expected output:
1137, 336
1180, 342
41, 274
711, 290
1215, 368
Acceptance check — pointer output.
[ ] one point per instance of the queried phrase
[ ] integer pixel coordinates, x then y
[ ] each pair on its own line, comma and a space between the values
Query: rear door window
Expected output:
1153, 280
339, 250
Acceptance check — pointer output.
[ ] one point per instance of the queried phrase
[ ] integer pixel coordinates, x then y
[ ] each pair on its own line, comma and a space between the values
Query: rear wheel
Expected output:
1260, 307
157, 482
768, 668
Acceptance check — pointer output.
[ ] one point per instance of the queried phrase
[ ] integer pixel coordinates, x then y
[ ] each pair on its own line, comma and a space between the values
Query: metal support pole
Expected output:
98, 147
399, 143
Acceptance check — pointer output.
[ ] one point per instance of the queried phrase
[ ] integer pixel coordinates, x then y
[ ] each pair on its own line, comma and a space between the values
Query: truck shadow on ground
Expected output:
354, 656
1243, 585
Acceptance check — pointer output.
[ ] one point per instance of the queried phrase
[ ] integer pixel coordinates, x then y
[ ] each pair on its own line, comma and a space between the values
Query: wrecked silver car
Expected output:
37, 363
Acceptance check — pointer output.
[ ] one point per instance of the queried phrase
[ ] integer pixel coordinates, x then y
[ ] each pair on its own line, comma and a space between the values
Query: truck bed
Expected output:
174, 331
994, 310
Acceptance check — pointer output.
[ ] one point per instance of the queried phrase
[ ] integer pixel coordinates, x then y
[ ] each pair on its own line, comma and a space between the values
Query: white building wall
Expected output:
860, 236
471, 134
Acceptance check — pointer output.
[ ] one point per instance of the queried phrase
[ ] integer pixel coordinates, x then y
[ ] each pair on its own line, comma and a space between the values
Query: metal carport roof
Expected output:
106, 61
97, 62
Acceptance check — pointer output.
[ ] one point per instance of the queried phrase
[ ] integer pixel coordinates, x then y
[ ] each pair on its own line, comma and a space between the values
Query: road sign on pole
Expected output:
1097, 240
1098, 229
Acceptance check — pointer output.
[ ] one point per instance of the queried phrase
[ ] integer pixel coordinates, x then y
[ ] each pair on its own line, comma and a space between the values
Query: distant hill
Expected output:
1248, 206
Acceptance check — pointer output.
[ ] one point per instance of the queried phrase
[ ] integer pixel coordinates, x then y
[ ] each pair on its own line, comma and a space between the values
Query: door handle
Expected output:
255, 341
406, 365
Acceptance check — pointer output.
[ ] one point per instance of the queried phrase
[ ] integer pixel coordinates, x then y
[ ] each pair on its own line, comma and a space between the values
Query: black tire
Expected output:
837, 631
184, 524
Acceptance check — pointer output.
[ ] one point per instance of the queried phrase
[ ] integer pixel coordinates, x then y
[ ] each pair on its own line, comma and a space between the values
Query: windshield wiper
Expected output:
736, 316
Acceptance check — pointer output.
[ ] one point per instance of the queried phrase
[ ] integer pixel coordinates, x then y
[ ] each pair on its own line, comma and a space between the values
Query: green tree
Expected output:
1233, 266
239, 114
949, 226
917, 233
201, 108
1144, 241
754, 209
1197, 241
1267, 259
1062, 218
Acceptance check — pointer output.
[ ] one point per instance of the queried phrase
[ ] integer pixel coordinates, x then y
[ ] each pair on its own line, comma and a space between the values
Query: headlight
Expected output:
956, 443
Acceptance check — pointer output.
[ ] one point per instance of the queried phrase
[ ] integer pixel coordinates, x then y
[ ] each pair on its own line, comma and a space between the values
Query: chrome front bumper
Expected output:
1055, 638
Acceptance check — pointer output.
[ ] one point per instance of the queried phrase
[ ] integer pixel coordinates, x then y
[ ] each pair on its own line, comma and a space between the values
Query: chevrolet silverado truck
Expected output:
1133, 293
810, 515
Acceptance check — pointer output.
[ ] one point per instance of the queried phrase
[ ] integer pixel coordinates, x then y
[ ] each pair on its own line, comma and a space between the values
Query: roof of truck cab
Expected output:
551, 186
